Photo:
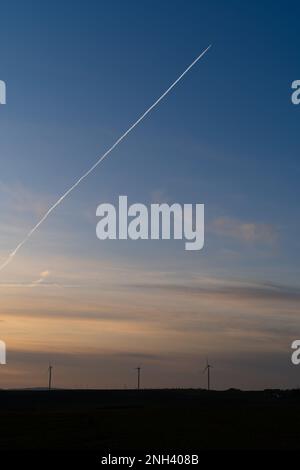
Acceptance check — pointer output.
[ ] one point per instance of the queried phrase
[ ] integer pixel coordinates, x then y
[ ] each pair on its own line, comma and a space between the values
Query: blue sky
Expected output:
79, 73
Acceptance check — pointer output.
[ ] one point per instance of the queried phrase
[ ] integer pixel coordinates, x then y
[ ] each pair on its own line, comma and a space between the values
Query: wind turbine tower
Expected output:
207, 368
138, 377
50, 376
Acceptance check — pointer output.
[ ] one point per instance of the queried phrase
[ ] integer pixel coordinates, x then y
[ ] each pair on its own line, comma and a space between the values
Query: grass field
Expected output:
149, 419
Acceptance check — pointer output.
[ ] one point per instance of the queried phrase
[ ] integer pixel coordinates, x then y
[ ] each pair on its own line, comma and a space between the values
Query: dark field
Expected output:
149, 419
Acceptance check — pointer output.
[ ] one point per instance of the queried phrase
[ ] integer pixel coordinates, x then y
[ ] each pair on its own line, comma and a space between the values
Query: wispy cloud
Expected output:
41, 281
245, 231
42, 278
21, 199
230, 289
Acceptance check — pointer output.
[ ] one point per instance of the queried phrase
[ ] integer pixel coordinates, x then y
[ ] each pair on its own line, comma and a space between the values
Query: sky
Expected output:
78, 74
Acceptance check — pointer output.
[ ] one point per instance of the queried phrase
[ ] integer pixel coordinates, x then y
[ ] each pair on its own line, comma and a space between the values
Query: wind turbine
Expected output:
207, 368
50, 376
138, 377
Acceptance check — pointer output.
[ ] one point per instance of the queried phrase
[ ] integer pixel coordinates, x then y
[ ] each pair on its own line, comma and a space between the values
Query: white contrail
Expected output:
14, 252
